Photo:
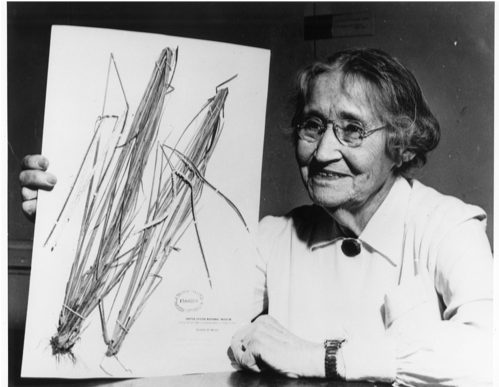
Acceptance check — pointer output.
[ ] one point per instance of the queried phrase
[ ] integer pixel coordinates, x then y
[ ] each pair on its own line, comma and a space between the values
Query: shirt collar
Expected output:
385, 230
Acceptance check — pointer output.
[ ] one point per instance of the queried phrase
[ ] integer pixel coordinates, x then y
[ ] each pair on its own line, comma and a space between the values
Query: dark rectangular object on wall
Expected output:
318, 27
338, 25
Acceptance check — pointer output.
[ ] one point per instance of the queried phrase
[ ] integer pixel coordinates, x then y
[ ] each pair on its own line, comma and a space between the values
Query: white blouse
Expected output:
414, 307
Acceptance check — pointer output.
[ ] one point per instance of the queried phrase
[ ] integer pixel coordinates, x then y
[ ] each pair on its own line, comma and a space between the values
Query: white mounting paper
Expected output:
168, 338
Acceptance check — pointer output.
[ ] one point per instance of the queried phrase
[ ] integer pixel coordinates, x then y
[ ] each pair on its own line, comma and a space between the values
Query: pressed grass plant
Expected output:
177, 186
110, 209
120, 252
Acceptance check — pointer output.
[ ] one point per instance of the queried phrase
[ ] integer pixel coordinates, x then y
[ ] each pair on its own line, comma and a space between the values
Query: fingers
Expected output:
37, 162
28, 194
37, 179
233, 362
29, 209
249, 361
29, 203
240, 353
33, 173
236, 346
32, 178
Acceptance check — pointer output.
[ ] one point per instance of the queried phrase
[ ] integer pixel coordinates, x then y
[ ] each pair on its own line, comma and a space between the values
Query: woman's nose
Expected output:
328, 147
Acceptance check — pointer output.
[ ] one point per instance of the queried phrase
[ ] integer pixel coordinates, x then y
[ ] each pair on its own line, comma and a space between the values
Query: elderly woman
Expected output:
382, 278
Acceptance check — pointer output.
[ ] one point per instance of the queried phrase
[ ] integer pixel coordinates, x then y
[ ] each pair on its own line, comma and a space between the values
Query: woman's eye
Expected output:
313, 124
352, 129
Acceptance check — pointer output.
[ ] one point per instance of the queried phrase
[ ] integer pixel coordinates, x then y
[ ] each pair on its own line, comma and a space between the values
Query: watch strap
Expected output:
330, 363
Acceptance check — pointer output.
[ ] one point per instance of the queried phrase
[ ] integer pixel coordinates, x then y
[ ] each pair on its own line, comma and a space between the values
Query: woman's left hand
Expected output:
266, 344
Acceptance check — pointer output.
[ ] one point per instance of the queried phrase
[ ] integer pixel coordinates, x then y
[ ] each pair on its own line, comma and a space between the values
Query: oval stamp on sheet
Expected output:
189, 301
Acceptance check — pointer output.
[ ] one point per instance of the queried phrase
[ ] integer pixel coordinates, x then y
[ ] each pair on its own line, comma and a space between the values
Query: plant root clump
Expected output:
62, 347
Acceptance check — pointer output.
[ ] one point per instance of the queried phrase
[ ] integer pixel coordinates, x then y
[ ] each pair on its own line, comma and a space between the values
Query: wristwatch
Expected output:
332, 347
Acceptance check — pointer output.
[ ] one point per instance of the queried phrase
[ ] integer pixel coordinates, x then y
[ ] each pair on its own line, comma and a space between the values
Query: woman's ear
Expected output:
407, 156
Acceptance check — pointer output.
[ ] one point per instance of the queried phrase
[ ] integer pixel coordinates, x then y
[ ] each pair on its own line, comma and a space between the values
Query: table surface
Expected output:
220, 379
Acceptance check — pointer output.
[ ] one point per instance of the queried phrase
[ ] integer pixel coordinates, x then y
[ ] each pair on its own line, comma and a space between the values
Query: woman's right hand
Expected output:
32, 178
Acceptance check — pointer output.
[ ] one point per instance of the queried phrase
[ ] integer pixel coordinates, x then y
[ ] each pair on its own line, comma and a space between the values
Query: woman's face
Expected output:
335, 175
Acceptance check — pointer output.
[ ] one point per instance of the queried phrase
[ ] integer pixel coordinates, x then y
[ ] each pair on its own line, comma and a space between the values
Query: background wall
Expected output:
449, 47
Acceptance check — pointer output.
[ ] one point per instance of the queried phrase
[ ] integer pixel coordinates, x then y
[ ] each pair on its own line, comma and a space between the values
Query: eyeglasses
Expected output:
348, 132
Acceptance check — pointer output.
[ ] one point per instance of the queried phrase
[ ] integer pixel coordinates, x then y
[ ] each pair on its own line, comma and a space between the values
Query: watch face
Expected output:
332, 343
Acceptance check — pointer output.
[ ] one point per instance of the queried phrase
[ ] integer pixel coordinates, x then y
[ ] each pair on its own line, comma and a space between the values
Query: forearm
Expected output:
444, 353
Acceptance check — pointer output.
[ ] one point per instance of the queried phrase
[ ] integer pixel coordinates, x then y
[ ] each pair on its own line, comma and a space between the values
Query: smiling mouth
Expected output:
329, 175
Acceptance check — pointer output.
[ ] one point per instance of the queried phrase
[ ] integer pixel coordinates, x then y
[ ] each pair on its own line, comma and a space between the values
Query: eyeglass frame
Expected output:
322, 129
